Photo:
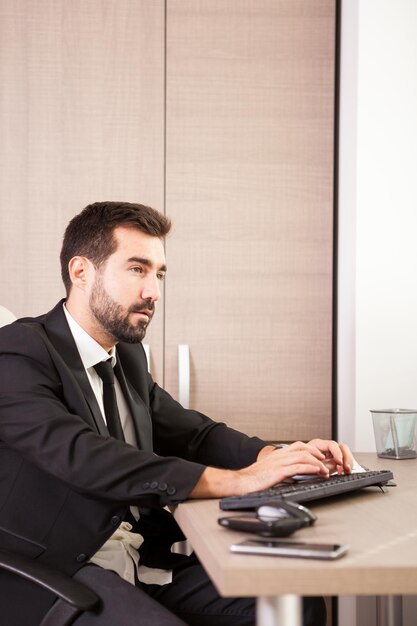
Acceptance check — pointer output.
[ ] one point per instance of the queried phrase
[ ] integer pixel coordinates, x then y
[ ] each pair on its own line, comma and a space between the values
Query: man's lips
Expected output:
146, 309
145, 312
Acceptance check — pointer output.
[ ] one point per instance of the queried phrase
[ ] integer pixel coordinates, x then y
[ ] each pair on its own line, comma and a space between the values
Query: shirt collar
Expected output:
90, 351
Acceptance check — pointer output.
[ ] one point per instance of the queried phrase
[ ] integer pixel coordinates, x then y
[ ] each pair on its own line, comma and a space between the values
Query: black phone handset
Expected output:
275, 518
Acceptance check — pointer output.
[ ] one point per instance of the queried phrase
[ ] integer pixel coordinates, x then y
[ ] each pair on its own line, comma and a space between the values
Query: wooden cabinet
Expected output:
249, 186
221, 113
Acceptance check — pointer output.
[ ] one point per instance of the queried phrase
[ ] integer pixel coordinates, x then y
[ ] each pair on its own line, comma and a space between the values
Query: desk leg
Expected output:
279, 611
389, 610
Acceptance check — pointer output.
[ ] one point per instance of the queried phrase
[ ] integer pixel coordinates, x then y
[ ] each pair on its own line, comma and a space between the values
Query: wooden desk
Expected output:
381, 529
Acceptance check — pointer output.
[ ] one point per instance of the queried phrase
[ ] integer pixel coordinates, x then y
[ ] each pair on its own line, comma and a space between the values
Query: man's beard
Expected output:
114, 319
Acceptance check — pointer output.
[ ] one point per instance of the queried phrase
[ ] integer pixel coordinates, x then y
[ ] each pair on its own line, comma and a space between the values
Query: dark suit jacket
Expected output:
64, 483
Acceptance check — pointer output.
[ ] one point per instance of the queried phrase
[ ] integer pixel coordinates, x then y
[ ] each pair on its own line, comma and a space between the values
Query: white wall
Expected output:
377, 331
378, 214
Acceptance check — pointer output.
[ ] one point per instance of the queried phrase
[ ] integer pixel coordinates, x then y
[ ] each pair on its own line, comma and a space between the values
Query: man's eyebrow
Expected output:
147, 262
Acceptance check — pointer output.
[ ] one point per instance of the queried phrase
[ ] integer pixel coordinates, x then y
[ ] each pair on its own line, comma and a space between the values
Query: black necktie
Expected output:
114, 426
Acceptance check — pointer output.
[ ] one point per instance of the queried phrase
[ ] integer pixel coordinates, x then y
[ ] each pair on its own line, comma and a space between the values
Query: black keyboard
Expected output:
310, 489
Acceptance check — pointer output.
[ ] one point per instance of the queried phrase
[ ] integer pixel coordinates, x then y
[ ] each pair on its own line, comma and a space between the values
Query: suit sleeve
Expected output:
36, 423
196, 437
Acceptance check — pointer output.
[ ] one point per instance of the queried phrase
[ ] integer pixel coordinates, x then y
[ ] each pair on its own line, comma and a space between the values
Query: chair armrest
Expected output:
71, 591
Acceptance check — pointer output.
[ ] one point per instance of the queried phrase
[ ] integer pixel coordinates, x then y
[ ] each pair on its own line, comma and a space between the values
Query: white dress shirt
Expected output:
120, 552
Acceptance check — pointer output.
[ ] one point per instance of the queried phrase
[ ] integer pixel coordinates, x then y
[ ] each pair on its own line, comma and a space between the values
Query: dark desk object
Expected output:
309, 490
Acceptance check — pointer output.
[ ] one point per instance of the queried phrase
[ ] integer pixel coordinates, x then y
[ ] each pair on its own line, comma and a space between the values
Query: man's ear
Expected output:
81, 271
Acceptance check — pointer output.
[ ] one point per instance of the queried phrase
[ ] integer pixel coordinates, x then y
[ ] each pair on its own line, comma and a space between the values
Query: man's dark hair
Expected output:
90, 233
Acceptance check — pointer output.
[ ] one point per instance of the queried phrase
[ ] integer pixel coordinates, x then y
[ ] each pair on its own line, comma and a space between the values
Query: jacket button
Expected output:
81, 558
154, 484
115, 520
162, 486
171, 491
145, 486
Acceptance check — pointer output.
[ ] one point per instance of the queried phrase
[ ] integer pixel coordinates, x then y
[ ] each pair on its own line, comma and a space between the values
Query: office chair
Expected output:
73, 598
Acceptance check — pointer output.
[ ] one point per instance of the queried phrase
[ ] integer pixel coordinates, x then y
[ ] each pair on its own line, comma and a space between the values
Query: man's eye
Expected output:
161, 276
137, 269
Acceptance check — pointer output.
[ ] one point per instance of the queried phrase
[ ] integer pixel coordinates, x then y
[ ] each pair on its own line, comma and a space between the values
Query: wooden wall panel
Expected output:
249, 166
249, 123
81, 120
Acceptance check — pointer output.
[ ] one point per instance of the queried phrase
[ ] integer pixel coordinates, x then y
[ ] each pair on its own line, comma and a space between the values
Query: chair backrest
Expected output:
6, 316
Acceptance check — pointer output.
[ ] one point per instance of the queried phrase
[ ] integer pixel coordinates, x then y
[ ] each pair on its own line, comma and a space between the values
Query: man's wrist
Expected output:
271, 447
216, 483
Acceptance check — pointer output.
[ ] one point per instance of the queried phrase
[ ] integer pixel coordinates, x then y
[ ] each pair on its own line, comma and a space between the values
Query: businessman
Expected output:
92, 449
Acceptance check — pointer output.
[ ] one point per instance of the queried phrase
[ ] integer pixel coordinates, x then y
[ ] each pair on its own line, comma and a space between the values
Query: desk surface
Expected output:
381, 529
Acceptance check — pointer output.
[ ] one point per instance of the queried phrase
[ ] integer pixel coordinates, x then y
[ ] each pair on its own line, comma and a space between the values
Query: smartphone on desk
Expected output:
290, 548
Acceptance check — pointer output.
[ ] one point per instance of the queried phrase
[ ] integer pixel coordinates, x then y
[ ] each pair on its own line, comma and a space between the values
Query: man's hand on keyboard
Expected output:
338, 457
318, 457
333, 457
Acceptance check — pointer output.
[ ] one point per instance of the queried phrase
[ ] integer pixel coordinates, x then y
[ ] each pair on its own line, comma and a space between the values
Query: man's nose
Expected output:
151, 289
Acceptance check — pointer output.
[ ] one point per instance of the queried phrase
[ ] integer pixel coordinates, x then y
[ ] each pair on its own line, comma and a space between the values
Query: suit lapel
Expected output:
61, 338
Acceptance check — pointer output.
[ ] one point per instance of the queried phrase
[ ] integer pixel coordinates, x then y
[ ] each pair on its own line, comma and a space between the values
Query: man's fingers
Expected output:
302, 461
301, 446
347, 457
338, 456
304, 469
